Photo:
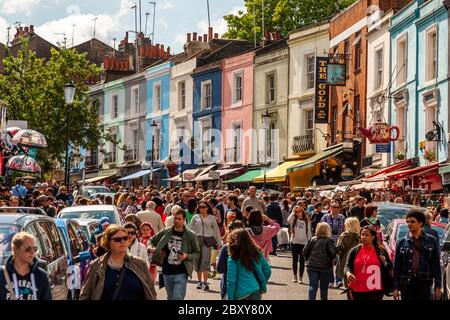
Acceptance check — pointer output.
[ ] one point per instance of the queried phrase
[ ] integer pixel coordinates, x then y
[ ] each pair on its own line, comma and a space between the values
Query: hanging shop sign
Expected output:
383, 148
336, 74
347, 174
380, 132
321, 103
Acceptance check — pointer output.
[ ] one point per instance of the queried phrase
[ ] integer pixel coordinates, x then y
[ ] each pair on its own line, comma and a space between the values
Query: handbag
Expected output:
209, 241
161, 280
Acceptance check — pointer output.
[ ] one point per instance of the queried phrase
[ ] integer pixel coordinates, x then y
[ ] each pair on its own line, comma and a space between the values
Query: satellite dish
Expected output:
430, 135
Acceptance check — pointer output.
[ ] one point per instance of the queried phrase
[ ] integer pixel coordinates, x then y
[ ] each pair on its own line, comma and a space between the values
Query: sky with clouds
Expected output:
174, 18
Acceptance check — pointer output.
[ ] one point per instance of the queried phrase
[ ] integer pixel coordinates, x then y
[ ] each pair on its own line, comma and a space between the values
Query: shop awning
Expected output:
99, 178
185, 172
414, 171
138, 174
221, 173
246, 177
326, 154
277, 174
402, 165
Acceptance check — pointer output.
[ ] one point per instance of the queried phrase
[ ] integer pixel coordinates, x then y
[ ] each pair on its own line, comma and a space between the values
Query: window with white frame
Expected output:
309, 122
156, 97
431, 69
113, 147
401, 124
135, 99
206, 141
115, 106
237, 87
402, 65
270, 87
237, 136
157, 135
181, 95
310, 70
206, 93
135, 140
378, 72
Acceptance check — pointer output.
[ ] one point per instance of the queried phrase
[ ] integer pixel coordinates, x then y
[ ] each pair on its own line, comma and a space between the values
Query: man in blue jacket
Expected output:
417, 263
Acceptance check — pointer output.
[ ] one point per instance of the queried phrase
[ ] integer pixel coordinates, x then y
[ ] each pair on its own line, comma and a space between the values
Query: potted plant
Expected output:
401, 155
430, 155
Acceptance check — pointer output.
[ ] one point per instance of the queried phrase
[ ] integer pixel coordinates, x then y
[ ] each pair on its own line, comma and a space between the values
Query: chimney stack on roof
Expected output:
194, 36
210, 33
216, 36
168, 53
188, 37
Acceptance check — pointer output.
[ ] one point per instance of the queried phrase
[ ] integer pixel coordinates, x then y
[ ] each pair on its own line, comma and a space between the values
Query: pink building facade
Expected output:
237, 112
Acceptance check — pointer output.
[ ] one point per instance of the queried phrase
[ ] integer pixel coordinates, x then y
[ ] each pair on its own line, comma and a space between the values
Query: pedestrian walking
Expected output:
417, 262
358, 209
205, 226
319, 253
21, 278
347, 240
371, 219
118, 275
151, 216
247, 270
260, 233
300, 234
274, 213
368, 268
175, 249
135, 247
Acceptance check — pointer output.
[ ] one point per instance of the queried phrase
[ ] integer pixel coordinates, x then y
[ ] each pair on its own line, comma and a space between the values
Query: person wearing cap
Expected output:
44, 204
104, 223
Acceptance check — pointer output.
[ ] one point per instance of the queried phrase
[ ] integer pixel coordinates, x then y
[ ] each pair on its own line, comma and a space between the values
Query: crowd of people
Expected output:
177, 231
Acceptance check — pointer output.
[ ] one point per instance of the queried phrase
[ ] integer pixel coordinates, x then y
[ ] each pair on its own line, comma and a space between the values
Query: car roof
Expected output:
96, 207
21, 218
84, 221
397, 205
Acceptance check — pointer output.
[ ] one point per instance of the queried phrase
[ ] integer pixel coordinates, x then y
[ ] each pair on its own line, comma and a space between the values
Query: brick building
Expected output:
348, 43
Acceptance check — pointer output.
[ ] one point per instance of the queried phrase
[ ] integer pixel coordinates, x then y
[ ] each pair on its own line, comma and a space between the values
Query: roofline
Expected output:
338, 14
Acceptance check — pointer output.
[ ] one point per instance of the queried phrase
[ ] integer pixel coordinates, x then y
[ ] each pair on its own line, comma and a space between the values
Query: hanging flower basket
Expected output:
430, 155
400, 155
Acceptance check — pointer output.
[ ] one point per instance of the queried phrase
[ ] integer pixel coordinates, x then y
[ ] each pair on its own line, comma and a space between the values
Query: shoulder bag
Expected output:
209, 241
159, 258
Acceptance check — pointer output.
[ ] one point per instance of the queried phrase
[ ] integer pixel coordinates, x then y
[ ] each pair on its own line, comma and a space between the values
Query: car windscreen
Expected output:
92, 214
7, 232
96, 190
402, 230
387, 214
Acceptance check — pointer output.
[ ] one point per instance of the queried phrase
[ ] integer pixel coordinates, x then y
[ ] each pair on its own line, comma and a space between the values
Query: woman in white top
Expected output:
135, 247
204, 225
301, 232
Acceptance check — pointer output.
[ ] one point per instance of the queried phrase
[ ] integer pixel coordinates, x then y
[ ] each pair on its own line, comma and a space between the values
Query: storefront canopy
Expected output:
221, 173
99, 178
185, 172
402, 165
138, 174
277, 174
246, 177
399, 174
324, 155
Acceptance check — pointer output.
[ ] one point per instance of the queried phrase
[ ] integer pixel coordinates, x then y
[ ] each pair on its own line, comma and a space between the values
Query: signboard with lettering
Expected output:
321, 103
383, 148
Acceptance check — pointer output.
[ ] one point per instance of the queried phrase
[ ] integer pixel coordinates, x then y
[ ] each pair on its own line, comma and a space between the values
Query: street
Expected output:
280, 286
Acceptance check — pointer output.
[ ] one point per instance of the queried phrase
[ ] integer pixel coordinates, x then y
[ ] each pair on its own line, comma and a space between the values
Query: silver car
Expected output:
92, 212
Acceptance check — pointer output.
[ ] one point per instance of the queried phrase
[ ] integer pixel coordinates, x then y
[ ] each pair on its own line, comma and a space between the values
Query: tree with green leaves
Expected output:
279, 15
34, 91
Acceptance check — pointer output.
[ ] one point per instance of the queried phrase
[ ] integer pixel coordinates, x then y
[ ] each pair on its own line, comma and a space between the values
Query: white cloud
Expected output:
3, 32
165, 6
18, 6
74, 9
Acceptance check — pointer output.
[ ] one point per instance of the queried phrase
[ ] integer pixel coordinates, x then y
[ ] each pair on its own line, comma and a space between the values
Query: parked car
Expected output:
49, 241
398, 229
92, 212
445, 262
88, 226
78, 255
388, 211
93, 191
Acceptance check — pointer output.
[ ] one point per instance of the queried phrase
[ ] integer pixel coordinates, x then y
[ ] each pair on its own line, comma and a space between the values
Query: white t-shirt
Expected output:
302, 230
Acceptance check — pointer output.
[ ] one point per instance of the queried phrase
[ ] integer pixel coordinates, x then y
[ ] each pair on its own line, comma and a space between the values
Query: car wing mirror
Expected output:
84, 255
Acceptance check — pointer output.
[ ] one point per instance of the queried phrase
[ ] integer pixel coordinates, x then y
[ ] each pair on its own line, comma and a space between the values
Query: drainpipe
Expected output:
389, 104
416, 98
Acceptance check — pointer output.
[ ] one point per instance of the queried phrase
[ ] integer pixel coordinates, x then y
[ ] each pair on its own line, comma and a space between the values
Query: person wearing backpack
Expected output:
319, 253
247, 270
301, 232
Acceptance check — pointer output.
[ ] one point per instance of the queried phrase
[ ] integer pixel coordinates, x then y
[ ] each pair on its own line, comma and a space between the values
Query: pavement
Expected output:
280, 286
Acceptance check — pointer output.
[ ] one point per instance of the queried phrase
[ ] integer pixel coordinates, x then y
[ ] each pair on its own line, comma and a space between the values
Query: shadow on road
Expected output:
277, 284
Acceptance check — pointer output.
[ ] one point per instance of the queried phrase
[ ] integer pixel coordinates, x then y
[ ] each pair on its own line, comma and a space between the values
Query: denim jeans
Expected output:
176, 286
316, 279
274, 244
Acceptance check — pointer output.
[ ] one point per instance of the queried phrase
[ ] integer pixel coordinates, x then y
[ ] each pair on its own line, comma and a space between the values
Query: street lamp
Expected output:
266, 118
69, 94
153, 125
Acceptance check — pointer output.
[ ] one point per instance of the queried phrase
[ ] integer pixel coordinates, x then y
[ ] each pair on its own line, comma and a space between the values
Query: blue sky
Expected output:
174, 18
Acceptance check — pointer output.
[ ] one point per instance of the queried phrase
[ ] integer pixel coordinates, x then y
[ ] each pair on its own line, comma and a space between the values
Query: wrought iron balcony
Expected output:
155, 155
92, 161
110, 157
131, 155
303, 143
232, 155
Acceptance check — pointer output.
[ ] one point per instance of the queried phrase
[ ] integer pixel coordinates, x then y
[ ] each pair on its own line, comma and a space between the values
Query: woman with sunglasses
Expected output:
204, 225
118, 275
134, 246
21, 278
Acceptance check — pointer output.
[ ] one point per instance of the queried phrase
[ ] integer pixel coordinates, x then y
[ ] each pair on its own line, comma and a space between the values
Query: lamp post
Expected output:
69, 94
266, 118
153, 125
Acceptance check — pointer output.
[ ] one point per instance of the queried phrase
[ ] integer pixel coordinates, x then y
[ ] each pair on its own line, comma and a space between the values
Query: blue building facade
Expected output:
207, 114
158, 108
419, 80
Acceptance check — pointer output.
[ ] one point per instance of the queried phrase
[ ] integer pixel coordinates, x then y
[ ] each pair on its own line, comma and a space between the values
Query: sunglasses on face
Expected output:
202, 207
120, 239
30, 249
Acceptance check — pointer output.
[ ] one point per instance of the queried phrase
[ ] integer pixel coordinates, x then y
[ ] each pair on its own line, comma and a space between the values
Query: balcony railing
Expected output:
155, 155
131, 155
110, 157
232, 155
303, 143
92, 160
